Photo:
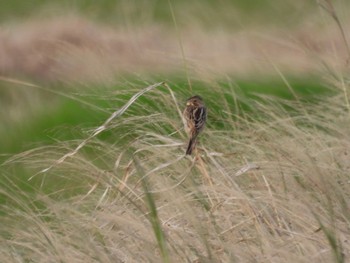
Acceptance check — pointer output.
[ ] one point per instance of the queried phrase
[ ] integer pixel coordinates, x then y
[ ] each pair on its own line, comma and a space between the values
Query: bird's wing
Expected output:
199, 117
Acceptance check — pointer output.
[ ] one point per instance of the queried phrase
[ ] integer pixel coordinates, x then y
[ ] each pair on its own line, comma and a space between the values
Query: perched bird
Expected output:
195, 116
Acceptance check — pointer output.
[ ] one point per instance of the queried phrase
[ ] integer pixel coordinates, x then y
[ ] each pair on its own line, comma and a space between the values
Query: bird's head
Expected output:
194, 101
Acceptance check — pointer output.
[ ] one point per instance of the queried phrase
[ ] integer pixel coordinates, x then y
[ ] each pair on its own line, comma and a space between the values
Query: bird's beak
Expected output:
188, 103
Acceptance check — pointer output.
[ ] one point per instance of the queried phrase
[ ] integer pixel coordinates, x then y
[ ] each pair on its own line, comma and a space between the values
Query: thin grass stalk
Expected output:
153, 214
181, 45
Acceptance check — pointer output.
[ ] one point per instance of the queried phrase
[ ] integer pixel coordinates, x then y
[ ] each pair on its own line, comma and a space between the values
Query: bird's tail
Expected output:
191, 146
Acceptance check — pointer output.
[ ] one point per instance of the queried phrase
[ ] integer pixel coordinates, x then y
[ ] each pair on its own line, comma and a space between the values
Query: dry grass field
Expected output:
269, 181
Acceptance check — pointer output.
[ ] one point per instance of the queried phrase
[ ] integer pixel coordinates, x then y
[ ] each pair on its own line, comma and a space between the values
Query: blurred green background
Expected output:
207, 12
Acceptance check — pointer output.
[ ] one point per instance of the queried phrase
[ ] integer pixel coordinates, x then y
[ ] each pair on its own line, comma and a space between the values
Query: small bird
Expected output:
195, 116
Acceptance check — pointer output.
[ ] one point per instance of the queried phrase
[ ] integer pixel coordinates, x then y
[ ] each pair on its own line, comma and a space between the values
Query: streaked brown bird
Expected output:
195, 116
